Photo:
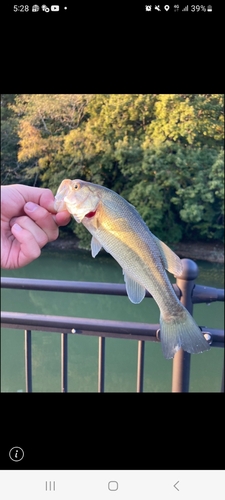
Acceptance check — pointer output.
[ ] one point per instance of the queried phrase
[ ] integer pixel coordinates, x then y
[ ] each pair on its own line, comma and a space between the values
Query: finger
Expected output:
41, 196
14, 197
30, 225
62, 218
29, 248
47, 200
43, 219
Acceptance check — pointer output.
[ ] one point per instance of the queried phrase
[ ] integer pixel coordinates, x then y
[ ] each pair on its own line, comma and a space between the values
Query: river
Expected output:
121, 355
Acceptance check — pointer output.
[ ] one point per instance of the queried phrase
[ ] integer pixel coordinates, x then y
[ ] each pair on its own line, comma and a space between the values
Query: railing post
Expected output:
28, 362
222, 383
64, 362
101, 364
140, 365
182, 359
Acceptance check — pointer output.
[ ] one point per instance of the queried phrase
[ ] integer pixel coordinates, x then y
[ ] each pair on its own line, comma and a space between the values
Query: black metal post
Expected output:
182, 360
140, 365
28, 364
222, 382
101, 364
64, 362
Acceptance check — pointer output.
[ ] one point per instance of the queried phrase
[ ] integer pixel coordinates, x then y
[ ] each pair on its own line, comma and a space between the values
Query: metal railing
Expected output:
185, 289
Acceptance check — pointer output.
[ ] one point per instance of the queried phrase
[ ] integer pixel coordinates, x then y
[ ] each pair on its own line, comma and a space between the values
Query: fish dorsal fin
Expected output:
171, 261
135, 292
95, 246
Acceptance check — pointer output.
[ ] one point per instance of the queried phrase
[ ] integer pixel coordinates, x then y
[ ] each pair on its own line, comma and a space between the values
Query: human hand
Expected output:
28, 222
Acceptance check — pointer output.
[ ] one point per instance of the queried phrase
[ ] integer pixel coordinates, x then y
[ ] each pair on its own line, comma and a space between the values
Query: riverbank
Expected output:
211, 252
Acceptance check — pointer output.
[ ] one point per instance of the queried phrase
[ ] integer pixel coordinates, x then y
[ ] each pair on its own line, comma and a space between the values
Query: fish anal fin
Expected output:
171, 261
135, 292
95, 246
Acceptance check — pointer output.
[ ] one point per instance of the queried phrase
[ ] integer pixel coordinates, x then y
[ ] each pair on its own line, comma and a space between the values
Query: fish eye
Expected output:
76, 186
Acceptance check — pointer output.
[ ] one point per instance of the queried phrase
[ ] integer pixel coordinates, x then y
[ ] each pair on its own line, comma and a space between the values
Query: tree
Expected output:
44, 120
163, 153
11, 168
181, 148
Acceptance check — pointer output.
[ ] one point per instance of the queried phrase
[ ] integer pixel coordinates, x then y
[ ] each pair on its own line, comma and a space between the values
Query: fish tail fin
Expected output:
181, 331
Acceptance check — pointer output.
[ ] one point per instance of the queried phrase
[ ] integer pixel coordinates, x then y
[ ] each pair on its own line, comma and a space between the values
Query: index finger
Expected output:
42, 196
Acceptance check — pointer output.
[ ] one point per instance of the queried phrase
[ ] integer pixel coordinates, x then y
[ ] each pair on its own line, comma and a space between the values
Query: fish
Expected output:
117, 227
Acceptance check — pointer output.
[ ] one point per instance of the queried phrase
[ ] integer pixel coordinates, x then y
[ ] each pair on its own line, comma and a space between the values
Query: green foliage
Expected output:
11, 168
194, 119
162, 152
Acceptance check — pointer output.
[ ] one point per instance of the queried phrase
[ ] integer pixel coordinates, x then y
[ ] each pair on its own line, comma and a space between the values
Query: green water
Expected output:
121, 355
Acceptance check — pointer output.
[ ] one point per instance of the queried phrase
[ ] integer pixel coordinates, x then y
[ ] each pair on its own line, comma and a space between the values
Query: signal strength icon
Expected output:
185, 9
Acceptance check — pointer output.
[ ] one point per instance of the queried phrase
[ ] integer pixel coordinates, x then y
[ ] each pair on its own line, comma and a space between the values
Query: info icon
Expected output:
54, 8
16, 454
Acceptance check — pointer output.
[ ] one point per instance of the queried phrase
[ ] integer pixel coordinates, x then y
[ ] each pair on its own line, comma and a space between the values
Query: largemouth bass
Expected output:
116, 226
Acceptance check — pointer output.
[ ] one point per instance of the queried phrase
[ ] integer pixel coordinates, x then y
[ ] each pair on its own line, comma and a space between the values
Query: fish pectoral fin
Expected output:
171, 261
135, 292
95, 246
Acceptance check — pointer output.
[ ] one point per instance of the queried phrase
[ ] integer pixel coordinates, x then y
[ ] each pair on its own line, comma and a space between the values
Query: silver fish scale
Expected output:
139, 255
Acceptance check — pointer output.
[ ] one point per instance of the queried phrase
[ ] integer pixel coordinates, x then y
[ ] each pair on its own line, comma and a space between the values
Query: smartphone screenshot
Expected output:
112, 251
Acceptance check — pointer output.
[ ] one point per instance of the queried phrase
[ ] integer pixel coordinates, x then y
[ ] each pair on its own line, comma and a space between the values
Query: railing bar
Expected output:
67, 286
28, 362
64, 362
101, 364
113, 335
74, 324
121, 330
200, 294
140, 365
